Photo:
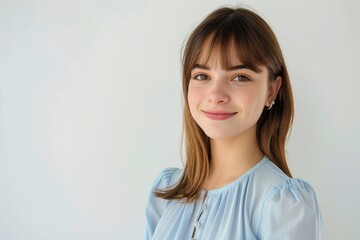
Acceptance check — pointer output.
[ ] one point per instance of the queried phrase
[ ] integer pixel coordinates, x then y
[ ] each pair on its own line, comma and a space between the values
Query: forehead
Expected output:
213, 53
226, 53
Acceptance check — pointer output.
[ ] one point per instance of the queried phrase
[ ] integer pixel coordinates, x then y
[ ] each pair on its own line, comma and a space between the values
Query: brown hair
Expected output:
257, 45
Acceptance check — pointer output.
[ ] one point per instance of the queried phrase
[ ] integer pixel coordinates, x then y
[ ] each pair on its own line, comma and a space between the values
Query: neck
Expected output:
232, 157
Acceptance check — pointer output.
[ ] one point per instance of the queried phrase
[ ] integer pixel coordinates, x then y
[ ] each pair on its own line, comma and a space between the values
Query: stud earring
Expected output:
271, 104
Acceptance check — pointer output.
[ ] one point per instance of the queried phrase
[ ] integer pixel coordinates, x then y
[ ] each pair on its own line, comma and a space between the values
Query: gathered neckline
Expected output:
236, 181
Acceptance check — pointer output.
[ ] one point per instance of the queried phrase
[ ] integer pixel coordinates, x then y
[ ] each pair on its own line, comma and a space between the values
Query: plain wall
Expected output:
90, 109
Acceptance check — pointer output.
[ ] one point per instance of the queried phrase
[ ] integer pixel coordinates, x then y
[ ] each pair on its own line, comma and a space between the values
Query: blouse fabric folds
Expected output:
263, 204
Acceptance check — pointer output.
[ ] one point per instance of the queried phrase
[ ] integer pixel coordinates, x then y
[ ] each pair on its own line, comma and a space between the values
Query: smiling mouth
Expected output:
219, 115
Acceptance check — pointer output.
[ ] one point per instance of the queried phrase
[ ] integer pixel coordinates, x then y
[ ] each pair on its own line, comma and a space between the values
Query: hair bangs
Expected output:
248, 49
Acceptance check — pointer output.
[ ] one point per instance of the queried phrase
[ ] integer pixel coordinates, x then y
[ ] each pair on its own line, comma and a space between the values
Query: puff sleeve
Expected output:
291, 212
155, 205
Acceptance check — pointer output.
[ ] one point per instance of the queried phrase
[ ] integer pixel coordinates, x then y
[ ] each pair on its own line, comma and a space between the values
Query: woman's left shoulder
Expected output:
275, 183
295, 191
290, 210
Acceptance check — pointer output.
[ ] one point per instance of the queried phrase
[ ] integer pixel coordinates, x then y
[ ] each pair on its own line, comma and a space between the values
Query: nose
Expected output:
218, 93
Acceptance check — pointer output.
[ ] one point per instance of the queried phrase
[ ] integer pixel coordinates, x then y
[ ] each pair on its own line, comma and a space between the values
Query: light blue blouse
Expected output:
263, 203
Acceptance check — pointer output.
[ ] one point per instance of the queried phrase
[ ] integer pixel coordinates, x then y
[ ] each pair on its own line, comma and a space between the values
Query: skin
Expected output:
242, 93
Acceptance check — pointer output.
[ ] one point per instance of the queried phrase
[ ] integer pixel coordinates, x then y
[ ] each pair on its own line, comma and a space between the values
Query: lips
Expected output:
219, 115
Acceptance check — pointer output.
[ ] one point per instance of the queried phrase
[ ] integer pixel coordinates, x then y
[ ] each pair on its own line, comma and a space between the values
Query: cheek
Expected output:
252, 102
194, 97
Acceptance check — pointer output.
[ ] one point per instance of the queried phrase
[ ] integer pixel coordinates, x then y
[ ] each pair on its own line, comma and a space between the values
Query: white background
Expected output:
90, 109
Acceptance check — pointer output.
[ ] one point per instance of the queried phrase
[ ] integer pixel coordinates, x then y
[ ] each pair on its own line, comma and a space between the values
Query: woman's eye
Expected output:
201, 77
242, 78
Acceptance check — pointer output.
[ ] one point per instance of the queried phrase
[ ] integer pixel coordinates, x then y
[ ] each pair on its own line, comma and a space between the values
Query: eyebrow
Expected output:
236, 67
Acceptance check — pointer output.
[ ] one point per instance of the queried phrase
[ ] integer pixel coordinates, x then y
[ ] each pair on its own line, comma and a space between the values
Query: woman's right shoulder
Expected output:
167, 178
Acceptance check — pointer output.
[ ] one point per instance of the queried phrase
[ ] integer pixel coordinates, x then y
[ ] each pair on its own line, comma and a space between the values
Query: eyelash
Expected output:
245, 78
197, 75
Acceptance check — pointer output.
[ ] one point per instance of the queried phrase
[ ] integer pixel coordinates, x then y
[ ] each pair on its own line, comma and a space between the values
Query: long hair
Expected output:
256, 46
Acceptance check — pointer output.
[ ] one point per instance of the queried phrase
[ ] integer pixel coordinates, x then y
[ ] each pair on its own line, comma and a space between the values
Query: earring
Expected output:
271, 104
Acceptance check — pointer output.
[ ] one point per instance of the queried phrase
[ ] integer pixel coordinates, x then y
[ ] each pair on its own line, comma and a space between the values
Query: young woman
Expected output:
237, 114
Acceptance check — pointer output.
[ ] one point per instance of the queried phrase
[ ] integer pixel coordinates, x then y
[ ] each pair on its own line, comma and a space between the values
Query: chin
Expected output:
219, 135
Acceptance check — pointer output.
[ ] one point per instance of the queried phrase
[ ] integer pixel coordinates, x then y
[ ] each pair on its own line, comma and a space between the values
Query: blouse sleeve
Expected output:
291, 212
155, 205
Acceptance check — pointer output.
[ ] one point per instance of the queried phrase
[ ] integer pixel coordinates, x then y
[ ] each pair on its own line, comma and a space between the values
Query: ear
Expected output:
274, 87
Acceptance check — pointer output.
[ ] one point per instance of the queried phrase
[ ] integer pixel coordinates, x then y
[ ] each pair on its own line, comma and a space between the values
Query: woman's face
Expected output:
227, 103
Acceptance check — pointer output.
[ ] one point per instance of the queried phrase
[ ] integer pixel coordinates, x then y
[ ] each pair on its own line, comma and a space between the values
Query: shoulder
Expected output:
276, 183
293, 192
269, 171
167, 178
266, 178
288, 208
155, 206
